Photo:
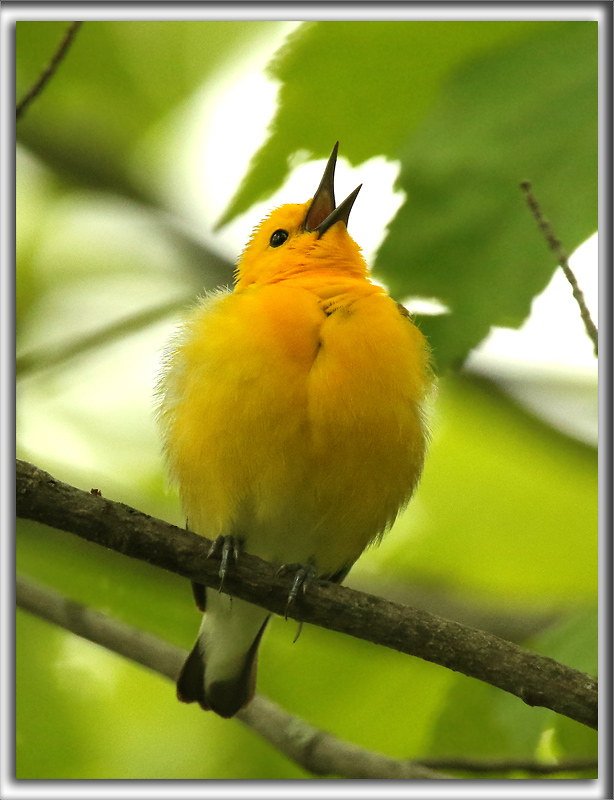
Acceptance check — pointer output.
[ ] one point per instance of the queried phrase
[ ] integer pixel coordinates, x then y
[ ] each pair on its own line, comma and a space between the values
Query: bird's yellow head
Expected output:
304, 239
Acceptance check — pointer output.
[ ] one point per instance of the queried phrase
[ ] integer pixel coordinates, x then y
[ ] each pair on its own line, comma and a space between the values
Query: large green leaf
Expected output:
366, 84
470, 109
465, 234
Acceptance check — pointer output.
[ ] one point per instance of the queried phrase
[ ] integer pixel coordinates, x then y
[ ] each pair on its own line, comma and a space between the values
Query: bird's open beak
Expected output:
322, 213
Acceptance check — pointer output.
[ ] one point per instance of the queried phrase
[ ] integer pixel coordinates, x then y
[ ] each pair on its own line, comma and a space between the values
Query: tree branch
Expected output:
557, 249
515, 625
535, 679
498, 765
213, 271
51, 357
49, 71
315, 750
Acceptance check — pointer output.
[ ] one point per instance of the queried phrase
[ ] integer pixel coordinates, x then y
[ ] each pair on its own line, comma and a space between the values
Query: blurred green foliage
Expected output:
505, 517
510, 729
120, 80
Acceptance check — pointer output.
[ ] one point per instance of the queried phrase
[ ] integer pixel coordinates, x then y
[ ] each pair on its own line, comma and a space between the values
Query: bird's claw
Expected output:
228, 546
304, 576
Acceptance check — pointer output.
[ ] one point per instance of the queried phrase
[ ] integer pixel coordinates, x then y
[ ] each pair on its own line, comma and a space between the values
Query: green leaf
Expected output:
465, 235
368, 85
471, 109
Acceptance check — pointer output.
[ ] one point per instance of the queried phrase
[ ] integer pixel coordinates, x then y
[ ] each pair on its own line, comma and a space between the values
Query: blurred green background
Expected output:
117, 163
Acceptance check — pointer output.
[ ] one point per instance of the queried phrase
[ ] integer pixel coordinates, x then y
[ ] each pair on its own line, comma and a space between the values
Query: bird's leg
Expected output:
198, 589
200, 595
305, 574
228, 546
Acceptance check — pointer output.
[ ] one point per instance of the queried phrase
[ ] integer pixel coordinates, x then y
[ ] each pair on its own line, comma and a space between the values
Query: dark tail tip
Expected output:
223, 697
228, 697
191, 680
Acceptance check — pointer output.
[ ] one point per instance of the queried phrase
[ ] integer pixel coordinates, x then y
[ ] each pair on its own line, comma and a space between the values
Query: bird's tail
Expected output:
220, 672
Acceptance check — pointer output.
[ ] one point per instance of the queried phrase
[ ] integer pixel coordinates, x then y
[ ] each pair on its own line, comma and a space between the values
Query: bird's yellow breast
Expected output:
292, 415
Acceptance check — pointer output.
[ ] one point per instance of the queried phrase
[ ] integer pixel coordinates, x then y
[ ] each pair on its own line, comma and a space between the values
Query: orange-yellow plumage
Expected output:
292, 415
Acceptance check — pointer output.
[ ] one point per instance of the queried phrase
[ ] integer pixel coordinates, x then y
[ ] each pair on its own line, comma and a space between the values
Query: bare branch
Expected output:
503, 765
321, 753
515, 625
213, 270
132, 643
48, 357
557, 249
49, 71
316, 751
535, 679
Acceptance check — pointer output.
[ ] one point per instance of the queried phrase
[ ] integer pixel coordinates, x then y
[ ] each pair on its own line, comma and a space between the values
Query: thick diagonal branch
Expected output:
535, 679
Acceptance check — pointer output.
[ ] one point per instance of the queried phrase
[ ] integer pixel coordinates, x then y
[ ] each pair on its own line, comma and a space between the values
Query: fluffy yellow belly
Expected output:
297, 430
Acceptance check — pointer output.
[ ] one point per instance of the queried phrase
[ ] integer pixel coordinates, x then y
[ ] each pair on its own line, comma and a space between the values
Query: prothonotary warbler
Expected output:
292, 413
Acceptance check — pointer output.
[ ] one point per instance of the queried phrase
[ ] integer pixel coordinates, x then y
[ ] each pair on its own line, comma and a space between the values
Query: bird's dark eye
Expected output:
278, 238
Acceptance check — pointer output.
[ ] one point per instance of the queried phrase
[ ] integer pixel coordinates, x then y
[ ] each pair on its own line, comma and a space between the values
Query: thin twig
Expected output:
214, 271
505, 765
315, 750
45, 358
535, 679
555, 245
49, 71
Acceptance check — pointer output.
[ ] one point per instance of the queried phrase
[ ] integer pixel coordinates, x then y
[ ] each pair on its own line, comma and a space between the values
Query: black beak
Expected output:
322, 212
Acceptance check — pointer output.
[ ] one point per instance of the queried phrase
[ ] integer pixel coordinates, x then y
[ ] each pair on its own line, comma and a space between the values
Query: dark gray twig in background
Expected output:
315, 750
502, 765
556, 247
49, 70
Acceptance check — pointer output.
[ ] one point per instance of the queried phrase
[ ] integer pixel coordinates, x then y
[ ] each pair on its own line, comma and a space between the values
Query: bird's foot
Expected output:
227, 546
304, 575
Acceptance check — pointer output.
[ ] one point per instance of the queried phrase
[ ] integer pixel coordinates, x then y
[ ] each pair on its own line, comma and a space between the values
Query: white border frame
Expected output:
10, 12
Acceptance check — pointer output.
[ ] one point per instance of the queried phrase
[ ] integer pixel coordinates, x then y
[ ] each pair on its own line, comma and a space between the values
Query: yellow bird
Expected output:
292, 414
